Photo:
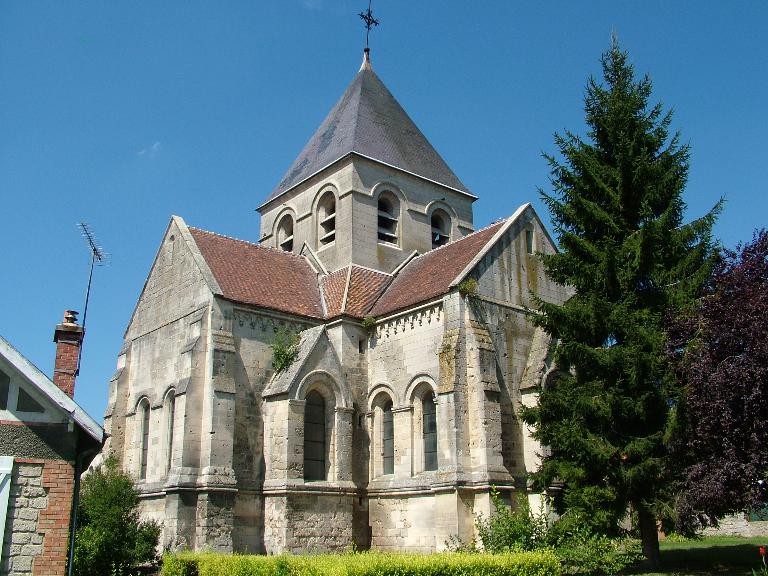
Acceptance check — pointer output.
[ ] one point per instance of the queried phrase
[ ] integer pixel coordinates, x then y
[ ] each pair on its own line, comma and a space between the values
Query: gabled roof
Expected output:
265, 277
368, 121
270, 278
432, 274
45, 386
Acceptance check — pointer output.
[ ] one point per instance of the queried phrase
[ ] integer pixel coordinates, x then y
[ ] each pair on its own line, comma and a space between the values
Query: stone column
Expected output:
216, 483
482, 396
294, 442
343, 427
401, 419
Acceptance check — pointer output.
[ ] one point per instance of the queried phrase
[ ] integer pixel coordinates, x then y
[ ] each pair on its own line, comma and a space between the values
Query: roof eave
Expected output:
36, 377
354, 153
308, 317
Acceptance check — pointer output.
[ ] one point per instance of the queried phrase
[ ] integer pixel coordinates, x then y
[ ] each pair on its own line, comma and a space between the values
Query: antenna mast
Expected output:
97, 255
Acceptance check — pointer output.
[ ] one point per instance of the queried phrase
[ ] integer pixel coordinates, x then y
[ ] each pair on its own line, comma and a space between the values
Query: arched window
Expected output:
388, 215
388, 439
170, 417
314, 437
144, 413
285, 233
429, 431
441, 228
326, 218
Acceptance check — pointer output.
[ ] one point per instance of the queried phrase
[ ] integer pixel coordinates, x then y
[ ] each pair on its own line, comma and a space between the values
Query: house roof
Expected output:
36, 378
260, 276
368, 121
433, 273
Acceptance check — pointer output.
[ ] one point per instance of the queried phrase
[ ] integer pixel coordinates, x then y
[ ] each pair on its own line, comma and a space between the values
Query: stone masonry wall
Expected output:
37, 524
739, 525
403, 524
318, 523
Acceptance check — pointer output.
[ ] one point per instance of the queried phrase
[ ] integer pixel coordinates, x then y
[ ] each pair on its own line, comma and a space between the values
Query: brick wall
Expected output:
37, 524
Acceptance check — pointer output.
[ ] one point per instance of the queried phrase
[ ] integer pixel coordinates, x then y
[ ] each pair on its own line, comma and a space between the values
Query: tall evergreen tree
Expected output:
617, 210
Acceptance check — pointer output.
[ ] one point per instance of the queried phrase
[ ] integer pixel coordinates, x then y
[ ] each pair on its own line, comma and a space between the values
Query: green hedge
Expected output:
540, 563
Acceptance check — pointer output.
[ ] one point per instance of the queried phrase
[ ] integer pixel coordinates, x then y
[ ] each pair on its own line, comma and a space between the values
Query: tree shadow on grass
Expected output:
723, 560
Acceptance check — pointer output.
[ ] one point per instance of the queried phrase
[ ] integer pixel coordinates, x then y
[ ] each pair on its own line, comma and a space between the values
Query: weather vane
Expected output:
370, 22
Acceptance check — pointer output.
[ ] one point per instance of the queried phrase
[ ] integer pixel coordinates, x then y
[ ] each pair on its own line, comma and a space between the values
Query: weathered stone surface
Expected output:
223, 466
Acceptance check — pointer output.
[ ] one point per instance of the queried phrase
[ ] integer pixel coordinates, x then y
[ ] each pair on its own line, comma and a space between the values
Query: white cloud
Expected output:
151, 151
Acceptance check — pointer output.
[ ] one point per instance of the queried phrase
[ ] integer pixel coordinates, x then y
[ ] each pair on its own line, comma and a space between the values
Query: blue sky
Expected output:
124, 113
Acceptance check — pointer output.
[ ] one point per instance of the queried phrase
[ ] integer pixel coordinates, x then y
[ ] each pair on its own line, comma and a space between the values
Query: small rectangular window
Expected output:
5, 384
529, 241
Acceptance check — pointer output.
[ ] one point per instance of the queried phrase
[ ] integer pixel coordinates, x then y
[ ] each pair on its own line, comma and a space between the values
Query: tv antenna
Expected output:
97, 256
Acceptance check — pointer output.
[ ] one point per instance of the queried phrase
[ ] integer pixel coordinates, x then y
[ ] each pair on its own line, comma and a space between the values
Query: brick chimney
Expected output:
68, 337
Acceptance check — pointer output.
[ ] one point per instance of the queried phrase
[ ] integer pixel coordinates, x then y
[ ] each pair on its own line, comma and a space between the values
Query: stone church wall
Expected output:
166, 351
175, 286
403, 524
253, 332
356, 185
406, 347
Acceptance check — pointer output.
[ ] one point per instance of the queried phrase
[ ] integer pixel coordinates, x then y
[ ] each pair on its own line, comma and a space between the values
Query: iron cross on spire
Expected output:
370, 22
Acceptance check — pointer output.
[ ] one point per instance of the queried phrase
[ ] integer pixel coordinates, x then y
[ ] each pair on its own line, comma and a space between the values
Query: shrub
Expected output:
369, 322
468, 287
508, 529
285, 349
109, 538
580, 550
541, 563
583, 551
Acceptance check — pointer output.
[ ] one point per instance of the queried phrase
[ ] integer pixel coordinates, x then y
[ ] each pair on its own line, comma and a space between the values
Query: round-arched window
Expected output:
326, 218
441, 228
387, 217
285, 233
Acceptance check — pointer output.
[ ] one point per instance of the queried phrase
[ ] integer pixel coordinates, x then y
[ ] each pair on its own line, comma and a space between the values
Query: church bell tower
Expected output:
368, 188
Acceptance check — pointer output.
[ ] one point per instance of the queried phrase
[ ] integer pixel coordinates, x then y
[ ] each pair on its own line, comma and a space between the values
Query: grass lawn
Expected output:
722, 555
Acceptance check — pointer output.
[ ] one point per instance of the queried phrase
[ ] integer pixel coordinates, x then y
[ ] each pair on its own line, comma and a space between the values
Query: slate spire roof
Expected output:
368, 121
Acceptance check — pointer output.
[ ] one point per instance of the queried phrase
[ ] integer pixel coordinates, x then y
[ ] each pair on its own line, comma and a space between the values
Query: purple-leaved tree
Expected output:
720, 352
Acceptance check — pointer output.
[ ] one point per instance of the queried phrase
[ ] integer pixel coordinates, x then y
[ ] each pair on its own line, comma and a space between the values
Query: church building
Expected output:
353, 377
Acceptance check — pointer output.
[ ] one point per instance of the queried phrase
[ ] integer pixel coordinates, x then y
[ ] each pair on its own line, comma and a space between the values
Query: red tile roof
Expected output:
430, 275
365, 285
352, 293
265, 277
334, 286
